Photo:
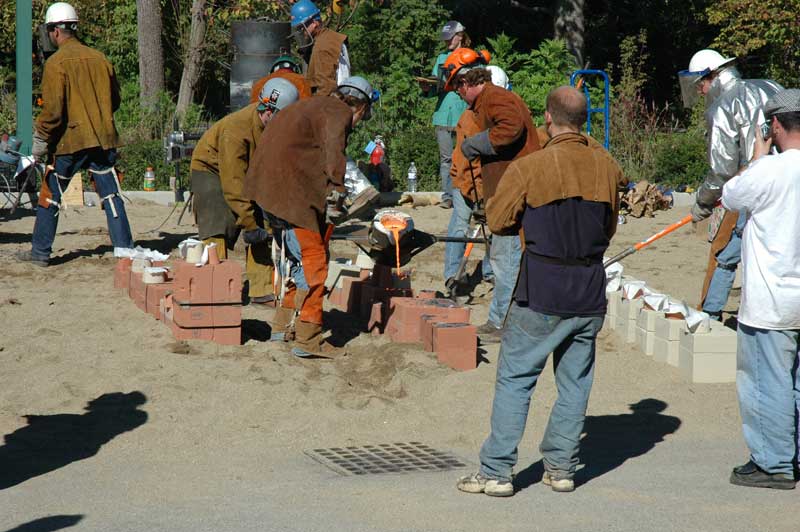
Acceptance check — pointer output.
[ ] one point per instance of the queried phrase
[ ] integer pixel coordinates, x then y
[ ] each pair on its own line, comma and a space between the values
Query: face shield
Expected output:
302, 37
689, 82
45, 43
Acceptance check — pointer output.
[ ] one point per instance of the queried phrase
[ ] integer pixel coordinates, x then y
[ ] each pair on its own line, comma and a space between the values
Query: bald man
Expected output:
565, 200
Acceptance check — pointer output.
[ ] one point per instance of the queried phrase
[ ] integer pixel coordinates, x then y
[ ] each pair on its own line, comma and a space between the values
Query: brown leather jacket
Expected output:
460, 169
511, 132
298, 80
324, 62
80, 93
300, 160
568, 166
226, 150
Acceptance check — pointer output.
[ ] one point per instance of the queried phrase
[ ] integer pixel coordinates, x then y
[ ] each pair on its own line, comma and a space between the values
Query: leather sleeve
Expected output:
233, 163
505, 208
507, 125
50, 123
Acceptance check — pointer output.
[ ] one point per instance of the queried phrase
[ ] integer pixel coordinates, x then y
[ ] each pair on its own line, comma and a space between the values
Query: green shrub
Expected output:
680, 158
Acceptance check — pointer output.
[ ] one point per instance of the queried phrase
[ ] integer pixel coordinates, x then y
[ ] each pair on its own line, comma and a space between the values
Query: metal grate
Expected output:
410, 457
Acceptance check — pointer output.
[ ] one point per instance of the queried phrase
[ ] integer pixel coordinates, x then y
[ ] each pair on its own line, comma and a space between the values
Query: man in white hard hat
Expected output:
76, 126
767, 372
733, 116
219, 164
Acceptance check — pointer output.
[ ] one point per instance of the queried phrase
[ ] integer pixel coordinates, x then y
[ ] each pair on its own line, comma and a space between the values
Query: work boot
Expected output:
562, 485
752, 476
27, 256
308, 342
267, 300
282, 324
489, 333
477, 483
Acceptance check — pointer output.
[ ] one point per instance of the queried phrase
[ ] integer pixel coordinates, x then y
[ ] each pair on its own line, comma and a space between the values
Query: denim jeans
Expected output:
528, 340
44, 229
459, 226
294, 255
768, 385
505, 256
444, 138
725, 272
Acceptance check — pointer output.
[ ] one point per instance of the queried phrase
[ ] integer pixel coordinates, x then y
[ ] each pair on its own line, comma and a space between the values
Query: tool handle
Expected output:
664, 232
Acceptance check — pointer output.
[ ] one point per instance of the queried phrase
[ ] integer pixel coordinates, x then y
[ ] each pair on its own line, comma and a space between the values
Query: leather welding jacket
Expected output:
226, 150
298, 80
300, 160
511, 132
324, 62
80, 94
733, 116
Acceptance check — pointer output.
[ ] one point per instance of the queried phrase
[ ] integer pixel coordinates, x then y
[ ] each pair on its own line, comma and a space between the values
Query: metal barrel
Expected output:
256, 45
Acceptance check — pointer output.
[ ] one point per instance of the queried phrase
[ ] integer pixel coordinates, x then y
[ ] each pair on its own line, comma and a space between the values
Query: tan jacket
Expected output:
324, 62
567, 167
511, 132
460, 169
298, 80
300, 160
226, 150
80, 93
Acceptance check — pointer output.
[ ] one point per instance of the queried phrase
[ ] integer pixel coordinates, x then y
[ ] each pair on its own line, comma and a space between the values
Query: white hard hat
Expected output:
277, 93
60, 12
499, 76
708, 61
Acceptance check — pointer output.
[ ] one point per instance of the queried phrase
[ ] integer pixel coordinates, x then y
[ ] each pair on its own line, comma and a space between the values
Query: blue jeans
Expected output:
459, 226
505, 256
44, 229
725, 272
768, 385
444, 138
294, 256
528, 340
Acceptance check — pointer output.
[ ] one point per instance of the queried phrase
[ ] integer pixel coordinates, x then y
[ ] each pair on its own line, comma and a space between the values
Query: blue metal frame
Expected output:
590, 110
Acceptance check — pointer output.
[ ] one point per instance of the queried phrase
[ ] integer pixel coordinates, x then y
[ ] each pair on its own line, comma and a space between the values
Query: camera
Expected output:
766, 129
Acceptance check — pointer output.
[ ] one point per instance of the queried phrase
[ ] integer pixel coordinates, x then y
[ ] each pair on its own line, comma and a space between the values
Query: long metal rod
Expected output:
633, 249
436, 238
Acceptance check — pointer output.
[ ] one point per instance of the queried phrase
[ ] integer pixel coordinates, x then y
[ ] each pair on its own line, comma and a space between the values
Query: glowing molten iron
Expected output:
395, 224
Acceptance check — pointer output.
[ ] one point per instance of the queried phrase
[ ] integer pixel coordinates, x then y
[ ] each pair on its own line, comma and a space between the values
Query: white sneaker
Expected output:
477, 483
562, 485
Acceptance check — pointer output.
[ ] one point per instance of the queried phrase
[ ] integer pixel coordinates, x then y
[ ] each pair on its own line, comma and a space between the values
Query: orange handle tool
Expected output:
633, 249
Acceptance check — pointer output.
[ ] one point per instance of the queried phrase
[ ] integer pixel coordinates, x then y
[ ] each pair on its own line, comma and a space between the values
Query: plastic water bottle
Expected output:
149, 179
412, 177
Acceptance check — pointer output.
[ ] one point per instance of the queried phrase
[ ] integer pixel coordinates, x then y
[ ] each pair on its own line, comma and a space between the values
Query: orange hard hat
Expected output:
459, 62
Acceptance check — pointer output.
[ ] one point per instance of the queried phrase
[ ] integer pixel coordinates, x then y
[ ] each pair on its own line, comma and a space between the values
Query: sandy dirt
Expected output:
175, 408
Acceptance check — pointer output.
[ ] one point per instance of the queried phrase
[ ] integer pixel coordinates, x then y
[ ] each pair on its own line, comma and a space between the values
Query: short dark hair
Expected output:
789, 121
567, 106
351, 101
476, 76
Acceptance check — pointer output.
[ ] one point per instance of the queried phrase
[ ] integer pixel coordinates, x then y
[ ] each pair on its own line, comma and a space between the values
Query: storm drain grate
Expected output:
410, 457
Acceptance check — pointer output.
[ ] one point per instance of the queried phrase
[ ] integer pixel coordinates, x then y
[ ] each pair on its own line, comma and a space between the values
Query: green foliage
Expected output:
766, 30
8, 103
680, 158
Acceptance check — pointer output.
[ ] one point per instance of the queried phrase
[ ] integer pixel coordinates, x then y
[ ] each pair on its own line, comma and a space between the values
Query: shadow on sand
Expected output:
48, 524
50, 442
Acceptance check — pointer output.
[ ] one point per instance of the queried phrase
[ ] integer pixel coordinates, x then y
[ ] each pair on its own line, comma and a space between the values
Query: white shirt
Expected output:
769, 192
343, 69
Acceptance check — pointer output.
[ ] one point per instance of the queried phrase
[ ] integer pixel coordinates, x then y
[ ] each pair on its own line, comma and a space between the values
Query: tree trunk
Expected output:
193, 58
569, 25
151, 53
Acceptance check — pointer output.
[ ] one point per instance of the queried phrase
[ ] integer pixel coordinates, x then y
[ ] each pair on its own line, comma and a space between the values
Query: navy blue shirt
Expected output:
570, 229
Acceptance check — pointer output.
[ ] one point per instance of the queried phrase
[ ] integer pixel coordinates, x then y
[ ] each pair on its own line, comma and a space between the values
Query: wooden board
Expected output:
73, 196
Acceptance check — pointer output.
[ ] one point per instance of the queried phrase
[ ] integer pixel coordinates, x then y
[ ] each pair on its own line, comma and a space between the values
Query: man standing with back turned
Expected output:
767, 378
565, 199
80, 93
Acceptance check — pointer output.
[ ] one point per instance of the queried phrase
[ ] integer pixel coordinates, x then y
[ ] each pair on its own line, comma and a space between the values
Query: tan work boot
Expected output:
308, 342
282, 325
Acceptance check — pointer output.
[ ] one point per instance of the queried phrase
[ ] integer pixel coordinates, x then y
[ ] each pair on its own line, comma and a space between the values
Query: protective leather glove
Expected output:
479, 215
700, 212
40, 148
477, 145
255, 236
333, 214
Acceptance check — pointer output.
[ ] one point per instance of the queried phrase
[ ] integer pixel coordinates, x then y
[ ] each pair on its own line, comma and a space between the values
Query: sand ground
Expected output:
111, 425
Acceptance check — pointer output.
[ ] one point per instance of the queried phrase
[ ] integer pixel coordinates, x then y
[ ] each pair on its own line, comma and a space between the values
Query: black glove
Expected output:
477, 145
479, 214
255, 236
700, 212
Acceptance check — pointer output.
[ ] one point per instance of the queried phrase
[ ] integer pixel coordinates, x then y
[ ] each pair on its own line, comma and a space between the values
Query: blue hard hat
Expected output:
303, 11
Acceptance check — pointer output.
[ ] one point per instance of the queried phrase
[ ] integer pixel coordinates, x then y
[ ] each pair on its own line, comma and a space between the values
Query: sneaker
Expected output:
446, 204
752, 476
477, 483
561, 485
27, 256
490, 334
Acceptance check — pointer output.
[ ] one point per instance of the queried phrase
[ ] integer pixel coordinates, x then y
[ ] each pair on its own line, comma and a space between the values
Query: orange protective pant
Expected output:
314, 259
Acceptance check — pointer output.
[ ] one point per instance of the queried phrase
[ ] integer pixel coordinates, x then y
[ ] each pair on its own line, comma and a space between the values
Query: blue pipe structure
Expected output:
605, 110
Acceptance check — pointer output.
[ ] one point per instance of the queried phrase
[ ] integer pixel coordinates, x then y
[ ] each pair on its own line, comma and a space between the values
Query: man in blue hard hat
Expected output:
325, 50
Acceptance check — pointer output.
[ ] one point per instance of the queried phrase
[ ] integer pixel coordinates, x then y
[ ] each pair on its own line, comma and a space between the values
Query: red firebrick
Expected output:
428, 321
155, 293
227, 294
193, 284
456, 345
404, 324
335, 297
375, 323
138, 291
122, 274
350, 295
426, 294
228, 335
